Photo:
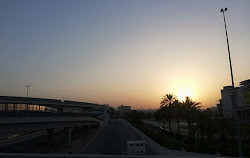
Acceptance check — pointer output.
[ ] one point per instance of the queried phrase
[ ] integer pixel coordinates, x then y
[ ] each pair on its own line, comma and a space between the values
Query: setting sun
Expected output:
182, 94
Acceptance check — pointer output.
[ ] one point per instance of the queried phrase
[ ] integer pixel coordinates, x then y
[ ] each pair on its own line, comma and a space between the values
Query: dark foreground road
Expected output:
112, 140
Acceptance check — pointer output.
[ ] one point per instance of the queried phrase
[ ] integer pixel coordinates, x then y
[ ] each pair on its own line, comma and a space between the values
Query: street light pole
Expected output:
27, 90
229, 55
27, 106
234, 95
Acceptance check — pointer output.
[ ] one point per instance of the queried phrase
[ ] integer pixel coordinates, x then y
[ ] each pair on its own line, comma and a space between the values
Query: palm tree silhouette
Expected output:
190, 109
178, 111
167, 108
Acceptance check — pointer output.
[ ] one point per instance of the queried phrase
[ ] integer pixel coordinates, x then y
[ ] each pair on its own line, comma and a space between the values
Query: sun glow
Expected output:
182, 94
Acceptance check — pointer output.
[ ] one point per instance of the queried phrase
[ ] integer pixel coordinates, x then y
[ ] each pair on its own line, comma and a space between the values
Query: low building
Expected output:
124, 109
219, 108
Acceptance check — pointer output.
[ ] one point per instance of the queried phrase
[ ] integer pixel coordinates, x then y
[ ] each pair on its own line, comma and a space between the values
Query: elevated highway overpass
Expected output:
24, 103
18, 124
28, 114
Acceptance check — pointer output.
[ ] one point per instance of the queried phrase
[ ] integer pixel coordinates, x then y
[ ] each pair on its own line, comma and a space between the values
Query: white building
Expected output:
226, 101
242, 99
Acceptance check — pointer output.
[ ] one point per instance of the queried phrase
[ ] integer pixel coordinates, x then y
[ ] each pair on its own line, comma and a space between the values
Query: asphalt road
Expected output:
112, 140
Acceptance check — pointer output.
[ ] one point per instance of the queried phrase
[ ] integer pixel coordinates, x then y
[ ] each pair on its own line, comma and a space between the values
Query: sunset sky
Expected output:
122, 52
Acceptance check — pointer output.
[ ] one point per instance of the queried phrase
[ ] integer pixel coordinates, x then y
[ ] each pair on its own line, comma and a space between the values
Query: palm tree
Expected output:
159, 115
166, 106
167, 100
178, 113
190, 109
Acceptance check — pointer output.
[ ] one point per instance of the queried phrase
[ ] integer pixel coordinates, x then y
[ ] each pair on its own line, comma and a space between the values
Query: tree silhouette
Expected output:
190, 111
206, 124
159, 115
167, 108
178, 111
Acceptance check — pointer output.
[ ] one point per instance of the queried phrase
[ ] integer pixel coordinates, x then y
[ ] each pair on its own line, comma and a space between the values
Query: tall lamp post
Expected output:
27, 86
233, 97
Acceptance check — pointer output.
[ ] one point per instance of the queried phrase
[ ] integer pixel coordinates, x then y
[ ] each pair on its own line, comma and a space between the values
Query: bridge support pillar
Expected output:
67, 135
50, 135
14, 107
6, 107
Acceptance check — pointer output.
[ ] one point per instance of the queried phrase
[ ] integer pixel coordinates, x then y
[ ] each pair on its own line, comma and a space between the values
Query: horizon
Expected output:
122, 52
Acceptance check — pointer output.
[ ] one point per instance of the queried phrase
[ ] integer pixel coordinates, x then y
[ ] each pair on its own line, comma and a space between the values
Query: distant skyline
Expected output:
122, 52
